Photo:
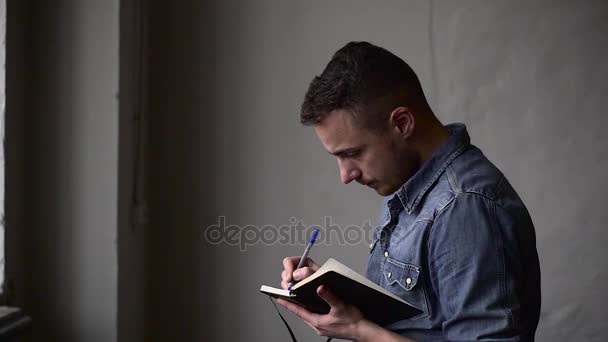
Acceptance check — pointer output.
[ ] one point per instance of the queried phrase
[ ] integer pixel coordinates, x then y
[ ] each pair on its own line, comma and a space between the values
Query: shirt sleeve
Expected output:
471, 269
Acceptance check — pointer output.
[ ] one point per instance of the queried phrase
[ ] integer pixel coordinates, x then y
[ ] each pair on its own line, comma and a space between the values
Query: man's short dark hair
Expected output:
357, 77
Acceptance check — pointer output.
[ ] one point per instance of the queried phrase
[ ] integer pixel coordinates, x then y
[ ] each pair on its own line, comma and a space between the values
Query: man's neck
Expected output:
435, 135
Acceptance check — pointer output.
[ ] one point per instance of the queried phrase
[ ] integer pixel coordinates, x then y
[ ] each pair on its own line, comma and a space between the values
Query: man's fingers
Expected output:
299, 311
290, 273
288, 268
329, 297
289, 265
311, 264
302, 273
284, 279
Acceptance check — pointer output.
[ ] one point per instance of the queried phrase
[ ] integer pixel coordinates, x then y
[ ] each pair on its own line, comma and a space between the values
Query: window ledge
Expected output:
13, 323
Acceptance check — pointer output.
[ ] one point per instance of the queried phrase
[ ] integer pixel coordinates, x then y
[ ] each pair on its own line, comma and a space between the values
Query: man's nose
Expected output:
348, 173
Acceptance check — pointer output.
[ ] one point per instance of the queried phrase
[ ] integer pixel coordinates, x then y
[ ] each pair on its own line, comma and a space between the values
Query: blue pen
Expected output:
313, 238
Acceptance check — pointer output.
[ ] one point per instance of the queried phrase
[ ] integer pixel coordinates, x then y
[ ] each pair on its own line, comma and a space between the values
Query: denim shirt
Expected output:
457, 242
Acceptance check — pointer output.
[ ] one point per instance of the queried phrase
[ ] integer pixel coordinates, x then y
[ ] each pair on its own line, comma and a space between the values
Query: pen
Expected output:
313, 238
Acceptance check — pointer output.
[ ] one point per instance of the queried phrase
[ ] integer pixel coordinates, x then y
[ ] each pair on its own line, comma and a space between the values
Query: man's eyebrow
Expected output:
344, 151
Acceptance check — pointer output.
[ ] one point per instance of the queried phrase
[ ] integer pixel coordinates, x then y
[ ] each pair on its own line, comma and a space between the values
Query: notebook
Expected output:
376, 303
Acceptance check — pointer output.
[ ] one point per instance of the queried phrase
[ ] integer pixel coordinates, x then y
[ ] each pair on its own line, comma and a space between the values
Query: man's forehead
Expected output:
340, 118
337, 131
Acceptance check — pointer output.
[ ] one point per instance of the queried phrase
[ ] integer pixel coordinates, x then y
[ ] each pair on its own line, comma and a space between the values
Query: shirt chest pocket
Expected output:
405, 281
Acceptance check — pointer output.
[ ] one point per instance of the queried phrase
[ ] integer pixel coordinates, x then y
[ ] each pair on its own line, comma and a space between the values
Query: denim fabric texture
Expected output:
457, 242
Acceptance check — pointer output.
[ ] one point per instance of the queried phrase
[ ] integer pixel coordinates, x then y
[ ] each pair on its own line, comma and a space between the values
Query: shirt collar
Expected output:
412, 192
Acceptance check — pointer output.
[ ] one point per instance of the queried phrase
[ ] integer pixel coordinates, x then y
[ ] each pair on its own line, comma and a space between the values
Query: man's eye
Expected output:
352, 154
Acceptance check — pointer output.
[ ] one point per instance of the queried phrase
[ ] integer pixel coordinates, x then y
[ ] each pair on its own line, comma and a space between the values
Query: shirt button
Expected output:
389, 274
386, 254
408, 280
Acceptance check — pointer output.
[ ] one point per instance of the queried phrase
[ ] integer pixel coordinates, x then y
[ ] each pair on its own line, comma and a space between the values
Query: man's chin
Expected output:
383, 190
383, 193
380, 190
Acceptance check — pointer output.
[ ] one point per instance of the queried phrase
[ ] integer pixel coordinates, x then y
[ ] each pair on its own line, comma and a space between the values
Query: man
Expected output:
454, 239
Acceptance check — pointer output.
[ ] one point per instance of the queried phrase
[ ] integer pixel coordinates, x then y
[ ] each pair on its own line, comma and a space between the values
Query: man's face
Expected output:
381, 160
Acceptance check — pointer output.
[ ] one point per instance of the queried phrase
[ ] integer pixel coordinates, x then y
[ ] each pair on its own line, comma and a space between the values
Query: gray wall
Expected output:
131, 207
221, 86
63, 140
531, 85
14, 142
2, 123
226, 80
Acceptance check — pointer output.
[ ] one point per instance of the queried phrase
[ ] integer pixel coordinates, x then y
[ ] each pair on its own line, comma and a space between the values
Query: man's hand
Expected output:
289, 266
342, 321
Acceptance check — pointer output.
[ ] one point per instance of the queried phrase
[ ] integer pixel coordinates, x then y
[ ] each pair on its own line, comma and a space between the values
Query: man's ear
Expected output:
402, 121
